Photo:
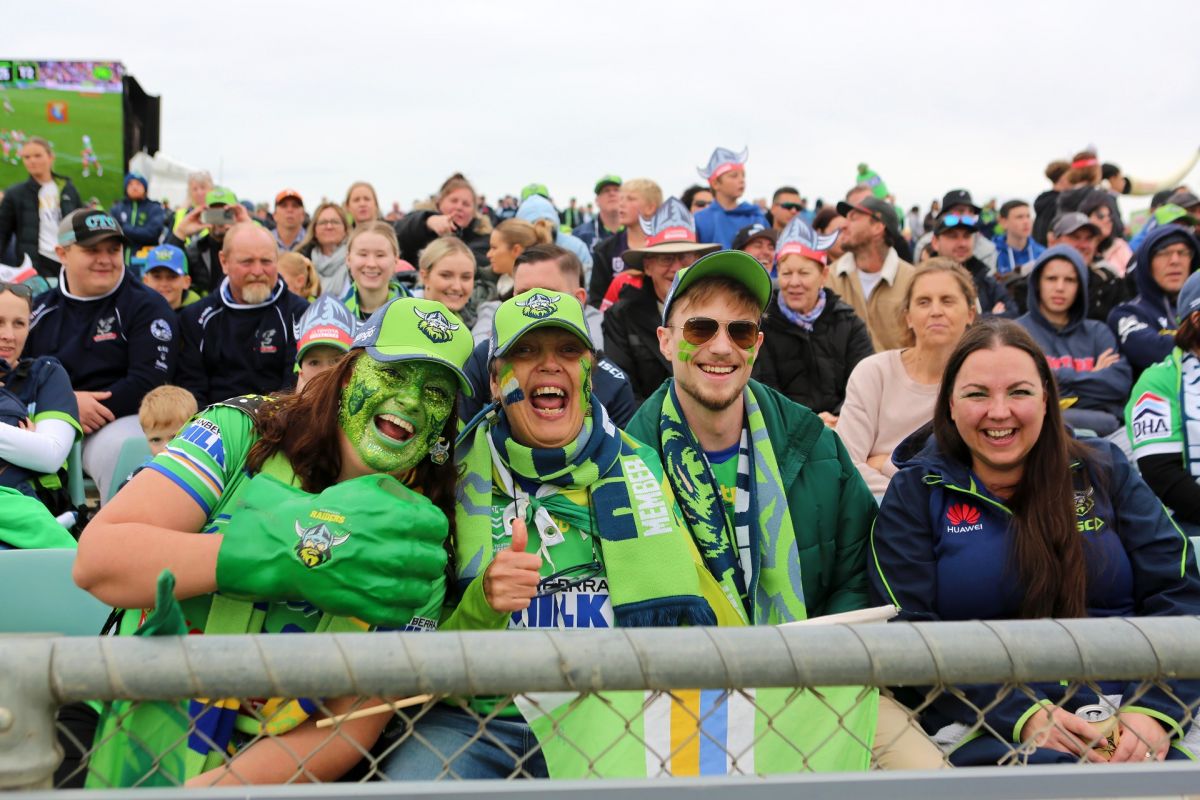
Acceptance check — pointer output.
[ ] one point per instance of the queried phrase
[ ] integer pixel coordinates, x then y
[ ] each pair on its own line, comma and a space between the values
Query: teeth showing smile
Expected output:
999, 433
714, 369
549, 401
394, 427
550, 390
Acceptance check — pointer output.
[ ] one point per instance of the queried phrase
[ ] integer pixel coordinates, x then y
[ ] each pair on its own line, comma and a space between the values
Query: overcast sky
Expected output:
932, 95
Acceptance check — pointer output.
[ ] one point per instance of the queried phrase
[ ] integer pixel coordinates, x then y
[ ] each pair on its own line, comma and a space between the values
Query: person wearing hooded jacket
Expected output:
1145, 326
1082, 353
1030, 524
536, 207
241, 339
141, 218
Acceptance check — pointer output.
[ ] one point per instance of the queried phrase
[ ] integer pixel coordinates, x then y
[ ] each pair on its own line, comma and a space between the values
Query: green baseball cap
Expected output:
536, 308
535, 188
415, 329
734, 264
1169, 212
608, 180
220, 196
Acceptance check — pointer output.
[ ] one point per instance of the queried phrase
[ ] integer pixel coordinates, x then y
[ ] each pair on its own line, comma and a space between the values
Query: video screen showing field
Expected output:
77, 107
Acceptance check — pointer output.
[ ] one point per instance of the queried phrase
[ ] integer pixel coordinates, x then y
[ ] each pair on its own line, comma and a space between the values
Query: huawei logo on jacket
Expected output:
963, 519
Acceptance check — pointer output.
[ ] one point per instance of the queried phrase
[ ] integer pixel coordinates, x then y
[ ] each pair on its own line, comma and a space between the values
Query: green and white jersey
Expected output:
1154, 415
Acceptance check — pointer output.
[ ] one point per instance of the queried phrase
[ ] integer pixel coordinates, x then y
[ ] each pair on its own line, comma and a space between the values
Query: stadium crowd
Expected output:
646, 410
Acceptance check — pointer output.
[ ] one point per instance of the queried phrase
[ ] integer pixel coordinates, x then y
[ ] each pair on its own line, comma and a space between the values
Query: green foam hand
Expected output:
368, 548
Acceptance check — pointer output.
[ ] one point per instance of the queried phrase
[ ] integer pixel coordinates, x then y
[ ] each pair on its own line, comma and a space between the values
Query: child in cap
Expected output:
300, 276
166, 272
326, 331
163, 413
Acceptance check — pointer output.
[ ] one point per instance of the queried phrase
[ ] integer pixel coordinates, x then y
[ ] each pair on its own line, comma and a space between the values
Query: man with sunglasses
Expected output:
115, 336
954, 236
785, 204
871, 276
958, 201
772, 499
631, 325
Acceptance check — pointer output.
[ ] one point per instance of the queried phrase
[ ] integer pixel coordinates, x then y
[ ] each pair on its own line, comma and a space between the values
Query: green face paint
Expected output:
393, 413
686, 350
750, 357
510, 387
585, 384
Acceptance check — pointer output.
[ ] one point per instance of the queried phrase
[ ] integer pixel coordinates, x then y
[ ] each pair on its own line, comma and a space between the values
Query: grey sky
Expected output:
932, 95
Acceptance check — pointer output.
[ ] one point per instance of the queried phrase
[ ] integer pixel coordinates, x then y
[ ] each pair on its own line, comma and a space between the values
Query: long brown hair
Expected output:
304, 427
1046, 544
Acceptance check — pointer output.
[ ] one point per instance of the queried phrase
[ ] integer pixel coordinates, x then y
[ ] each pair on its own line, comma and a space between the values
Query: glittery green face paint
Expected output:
393, 413
686, 350
585, 384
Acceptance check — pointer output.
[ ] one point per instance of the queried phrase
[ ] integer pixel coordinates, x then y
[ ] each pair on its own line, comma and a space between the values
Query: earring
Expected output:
440, 451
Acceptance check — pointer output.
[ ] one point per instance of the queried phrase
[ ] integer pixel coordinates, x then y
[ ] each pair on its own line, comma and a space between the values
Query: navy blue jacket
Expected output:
142, 221
231, 350
1145, 325
942, 550
1072, 351
124, 342
609, 384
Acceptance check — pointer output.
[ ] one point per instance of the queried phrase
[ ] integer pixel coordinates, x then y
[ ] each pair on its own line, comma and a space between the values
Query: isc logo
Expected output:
963, 518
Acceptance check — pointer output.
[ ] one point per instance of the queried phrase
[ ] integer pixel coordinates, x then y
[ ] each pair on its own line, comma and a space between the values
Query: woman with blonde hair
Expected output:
891, 394
362, 203
640, 198
447, 273
372, 256
454, 215
325, 244
510, 238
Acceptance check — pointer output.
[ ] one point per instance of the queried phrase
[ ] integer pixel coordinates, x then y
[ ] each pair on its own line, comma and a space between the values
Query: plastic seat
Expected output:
37, 595
134, 452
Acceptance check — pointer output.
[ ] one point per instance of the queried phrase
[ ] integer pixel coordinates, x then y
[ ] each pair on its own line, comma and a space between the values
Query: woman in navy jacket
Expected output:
997, 513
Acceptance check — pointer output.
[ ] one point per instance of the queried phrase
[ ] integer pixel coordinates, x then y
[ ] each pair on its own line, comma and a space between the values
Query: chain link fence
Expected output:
819, 709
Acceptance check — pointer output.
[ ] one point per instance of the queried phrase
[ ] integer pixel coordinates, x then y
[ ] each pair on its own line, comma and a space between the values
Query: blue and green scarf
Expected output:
647, 558
772, 592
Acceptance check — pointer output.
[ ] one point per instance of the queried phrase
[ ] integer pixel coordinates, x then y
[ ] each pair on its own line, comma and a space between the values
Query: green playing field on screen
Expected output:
77, 107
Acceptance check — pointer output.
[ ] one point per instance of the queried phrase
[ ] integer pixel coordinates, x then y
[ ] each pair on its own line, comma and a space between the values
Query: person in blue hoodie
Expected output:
1145, 326
998, 513
141, 218
720, 221
535, 207
1083, 353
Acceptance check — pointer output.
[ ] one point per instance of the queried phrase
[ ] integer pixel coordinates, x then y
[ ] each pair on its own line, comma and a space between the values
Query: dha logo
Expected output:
963, 519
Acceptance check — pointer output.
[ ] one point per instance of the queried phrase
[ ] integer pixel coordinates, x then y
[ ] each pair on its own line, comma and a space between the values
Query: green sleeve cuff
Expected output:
1171, 725
67, 418
1021, 720
473, 612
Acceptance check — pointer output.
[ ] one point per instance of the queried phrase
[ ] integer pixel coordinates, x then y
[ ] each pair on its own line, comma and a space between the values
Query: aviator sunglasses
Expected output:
699, 330
21, 290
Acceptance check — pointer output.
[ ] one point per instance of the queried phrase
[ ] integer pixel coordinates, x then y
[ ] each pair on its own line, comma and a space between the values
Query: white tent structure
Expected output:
168, 177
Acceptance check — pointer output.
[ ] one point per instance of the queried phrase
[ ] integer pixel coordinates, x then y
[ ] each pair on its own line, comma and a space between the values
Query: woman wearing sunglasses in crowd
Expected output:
998, 513
891, 394
39, 418
546, 535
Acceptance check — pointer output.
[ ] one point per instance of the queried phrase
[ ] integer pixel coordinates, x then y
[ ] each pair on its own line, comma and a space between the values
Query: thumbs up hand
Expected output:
511, 580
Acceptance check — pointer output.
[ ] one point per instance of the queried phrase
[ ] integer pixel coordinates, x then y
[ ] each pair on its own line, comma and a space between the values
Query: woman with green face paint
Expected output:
326, 510
563, 521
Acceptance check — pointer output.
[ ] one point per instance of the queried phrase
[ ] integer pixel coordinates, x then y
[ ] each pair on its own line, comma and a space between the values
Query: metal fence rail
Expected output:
41, 674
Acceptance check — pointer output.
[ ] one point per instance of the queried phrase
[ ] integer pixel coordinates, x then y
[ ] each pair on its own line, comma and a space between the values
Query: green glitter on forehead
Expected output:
422, 393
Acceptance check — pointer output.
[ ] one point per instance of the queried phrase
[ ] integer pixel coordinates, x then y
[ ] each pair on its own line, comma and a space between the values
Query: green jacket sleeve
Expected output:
473, 612
856, 515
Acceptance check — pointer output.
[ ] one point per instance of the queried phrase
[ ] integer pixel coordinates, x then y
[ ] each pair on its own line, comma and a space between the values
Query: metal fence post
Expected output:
29, 751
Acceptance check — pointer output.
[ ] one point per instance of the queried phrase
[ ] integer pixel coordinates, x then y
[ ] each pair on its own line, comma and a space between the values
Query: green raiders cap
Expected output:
536, 308
535, 188
415, 329
607, 180
733, 264
220, 196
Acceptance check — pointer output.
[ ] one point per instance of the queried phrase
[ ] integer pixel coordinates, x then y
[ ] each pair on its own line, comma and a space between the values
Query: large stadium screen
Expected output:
77, 107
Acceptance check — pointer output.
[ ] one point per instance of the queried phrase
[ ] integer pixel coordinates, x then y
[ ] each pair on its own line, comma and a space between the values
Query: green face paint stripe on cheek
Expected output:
510, 388
585, 384
686, 350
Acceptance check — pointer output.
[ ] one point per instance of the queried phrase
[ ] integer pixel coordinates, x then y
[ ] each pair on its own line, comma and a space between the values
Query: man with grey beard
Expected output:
241, 339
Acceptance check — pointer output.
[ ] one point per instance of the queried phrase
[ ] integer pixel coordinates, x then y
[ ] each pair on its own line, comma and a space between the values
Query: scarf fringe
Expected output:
665, 612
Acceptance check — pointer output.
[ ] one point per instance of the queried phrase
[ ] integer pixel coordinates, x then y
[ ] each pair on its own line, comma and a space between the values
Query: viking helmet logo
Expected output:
316, 544
435, 326
539, 306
